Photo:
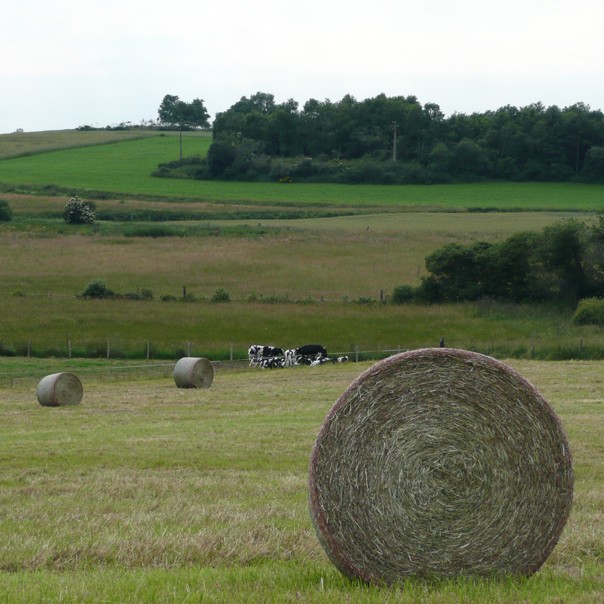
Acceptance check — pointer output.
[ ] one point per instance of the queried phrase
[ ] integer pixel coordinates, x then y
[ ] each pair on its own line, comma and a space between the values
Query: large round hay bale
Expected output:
57, 389
193, 372
439, 462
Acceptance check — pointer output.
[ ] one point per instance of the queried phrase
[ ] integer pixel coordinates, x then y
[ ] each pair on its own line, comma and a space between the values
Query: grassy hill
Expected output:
122, 167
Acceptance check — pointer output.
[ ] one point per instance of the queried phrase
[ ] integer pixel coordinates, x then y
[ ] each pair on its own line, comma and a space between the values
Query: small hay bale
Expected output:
439, 463
57, 389
193, 372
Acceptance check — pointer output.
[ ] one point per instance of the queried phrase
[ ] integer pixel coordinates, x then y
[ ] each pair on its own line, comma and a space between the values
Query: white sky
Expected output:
65, 63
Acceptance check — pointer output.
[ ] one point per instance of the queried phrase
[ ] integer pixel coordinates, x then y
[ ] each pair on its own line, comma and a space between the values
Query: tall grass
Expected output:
60, 326
145, 492
320, 281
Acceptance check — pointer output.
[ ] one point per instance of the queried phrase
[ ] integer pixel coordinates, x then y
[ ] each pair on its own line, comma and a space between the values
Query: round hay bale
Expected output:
57, 389
193, 372
439, 463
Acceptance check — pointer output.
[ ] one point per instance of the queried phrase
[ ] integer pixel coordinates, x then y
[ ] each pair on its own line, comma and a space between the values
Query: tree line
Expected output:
563, 263
399, 140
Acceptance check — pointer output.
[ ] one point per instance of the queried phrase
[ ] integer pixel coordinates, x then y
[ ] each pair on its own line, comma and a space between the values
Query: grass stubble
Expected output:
148, 492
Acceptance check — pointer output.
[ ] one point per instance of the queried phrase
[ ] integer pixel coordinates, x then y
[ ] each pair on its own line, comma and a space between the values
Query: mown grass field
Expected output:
145, 492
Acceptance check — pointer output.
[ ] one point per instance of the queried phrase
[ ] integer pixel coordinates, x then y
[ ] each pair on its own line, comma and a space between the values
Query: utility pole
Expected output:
394, 125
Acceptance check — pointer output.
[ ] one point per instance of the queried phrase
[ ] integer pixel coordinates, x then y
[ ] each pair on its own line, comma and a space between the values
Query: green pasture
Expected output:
62, 326
123, 168
289, 281
300, 262
145, 492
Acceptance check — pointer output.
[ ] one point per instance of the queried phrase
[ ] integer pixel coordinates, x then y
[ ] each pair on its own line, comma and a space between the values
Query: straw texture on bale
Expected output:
439, 462
63, 388
193, 372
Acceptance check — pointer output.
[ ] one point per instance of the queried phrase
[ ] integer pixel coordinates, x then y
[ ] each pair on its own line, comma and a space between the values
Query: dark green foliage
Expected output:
258, 138
174, 112
77, 211
6, 212
97, 289
221, 295
7, 350
153, 231
403, 294
590, 312
593, 168
562, 264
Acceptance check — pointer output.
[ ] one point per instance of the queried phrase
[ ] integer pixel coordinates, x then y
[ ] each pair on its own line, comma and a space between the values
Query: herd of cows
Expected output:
272, 357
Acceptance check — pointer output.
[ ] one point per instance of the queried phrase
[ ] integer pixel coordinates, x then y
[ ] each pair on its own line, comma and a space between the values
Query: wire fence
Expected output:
115, 360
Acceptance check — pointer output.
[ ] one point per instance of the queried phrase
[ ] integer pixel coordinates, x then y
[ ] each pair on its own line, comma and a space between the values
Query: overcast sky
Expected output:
66, 63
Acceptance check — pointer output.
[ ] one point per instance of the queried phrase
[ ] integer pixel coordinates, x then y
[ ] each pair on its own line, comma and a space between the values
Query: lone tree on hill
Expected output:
174, 112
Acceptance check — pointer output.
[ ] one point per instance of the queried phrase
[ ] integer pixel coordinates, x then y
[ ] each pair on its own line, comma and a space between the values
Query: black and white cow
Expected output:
272, 362
308, 353
319, 360
257, 352
290, 357
253, 353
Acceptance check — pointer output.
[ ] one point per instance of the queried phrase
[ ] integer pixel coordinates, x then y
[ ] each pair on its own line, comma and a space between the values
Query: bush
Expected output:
97, 289
221, 295
77, 211
6, 213
590, 311
6, 350
403, 294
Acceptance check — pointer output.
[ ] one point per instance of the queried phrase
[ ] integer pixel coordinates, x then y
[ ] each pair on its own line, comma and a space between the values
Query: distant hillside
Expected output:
28, 143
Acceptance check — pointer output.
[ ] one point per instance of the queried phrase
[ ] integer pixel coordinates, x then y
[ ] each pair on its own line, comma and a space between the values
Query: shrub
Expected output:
6, 212
97, 289
590, 311
221, 295
6, 350
365, 300
77, 211
403, 294
153, 231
